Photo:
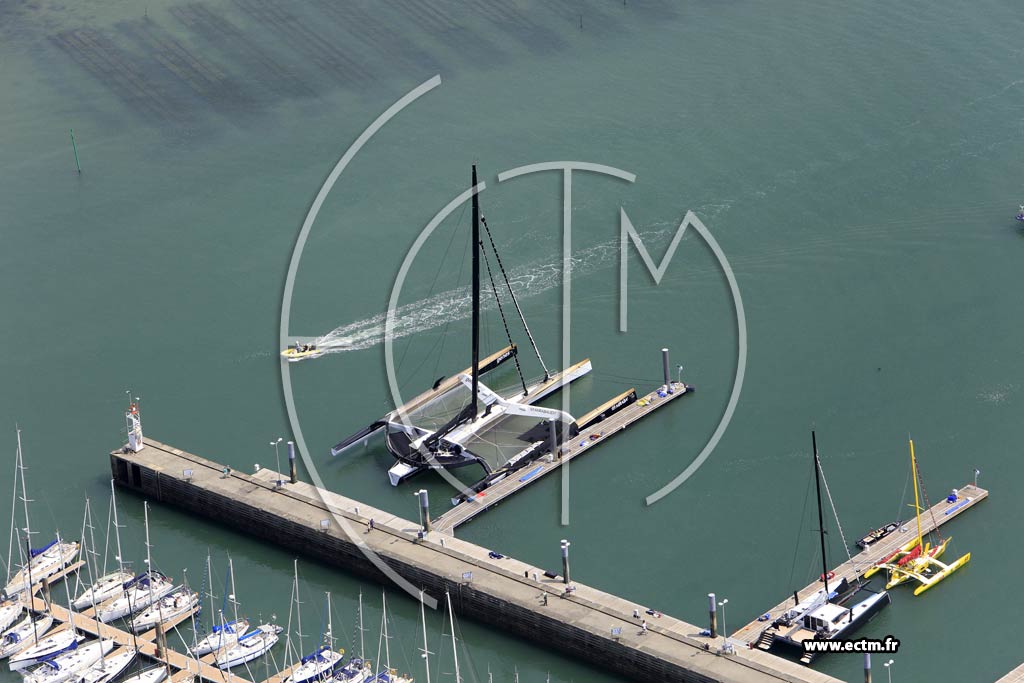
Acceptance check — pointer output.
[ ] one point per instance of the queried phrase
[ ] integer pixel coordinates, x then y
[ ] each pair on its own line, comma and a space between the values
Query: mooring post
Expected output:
46, 591
867, 667
75, 148
565, 561
291, 462
713, 614
664, 367
425, 509
161, 641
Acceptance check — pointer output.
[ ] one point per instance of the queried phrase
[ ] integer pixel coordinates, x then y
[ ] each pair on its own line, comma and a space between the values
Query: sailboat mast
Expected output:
455, 652
117, 528
362, 644
24, 497
384, 632
298, 606
234, 601
213, 607
14, 510
917, 500
426, 652
475, 369
821, 518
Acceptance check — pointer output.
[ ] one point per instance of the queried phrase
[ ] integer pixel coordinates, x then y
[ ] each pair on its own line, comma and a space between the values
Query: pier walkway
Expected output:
586, 441
1015, 676
586, 623
969, 496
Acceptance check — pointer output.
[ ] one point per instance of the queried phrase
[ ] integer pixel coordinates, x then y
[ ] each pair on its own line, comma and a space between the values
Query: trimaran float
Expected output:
917, 559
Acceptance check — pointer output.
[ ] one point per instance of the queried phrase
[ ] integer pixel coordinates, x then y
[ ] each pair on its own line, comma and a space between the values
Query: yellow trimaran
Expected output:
917, 559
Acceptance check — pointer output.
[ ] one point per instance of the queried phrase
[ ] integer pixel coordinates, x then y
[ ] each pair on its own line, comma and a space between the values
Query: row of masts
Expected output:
90, 607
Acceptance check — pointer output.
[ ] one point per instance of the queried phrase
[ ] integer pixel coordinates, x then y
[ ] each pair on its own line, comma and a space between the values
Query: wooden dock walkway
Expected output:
969, 496
506, 593
146, 642
586, 441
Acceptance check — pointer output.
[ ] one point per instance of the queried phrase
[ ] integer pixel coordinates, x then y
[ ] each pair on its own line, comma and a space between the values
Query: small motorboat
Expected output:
299, 351
24, 633
222, 636
68, 665
253, 644
878, 534
1020, 214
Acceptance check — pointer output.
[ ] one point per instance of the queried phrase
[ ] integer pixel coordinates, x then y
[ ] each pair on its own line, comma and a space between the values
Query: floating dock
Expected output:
968, 496
593, 432
587, 623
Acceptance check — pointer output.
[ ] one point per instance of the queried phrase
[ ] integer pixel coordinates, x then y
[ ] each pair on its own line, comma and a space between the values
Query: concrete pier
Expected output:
586, 623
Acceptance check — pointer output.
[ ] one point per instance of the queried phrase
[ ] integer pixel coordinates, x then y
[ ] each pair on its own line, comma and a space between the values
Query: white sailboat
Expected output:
66, 666
110, 584
25, 633
60, 645
249, 645
9, 613
141, 592
153, 674
11, 607
357, 669
225, 634
109, 666
41, 563
171, 606
388, 675
320, 664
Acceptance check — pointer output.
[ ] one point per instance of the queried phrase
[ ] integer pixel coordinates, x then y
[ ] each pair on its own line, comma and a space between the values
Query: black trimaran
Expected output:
446, 427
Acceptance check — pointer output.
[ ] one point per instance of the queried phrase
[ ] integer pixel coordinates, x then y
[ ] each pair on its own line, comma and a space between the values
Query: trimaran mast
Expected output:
821, 519
474, 367
917, 500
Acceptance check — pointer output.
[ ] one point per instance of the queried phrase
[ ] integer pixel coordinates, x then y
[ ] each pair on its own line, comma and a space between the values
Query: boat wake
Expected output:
454, 305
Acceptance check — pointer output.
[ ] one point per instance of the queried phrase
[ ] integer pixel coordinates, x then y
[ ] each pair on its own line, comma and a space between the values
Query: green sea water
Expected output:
858, 164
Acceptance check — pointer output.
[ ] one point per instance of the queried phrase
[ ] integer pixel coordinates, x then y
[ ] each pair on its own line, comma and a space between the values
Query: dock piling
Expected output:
565, 561
424, 497
867, 667
664, 367
291, 462
713, 614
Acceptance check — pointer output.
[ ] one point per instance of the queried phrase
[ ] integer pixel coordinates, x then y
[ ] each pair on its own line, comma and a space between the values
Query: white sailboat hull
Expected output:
109, 668
107, 587
43, 566
318, 669
64, 667
223, 637
154, 675
47, 647
9, 613
135, 599
22, 635
249, 647
163, 610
